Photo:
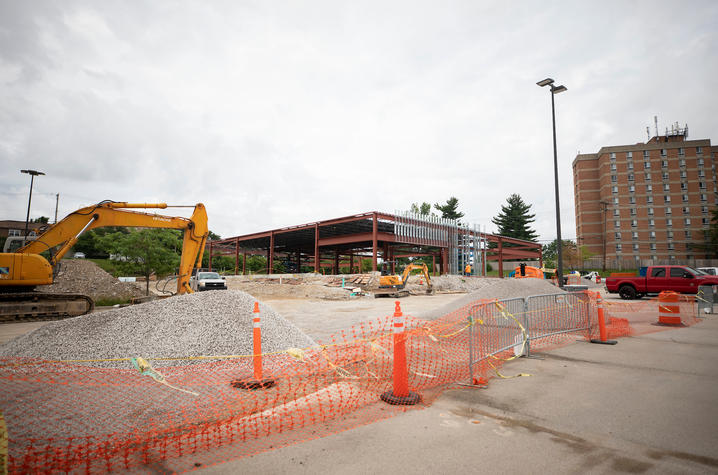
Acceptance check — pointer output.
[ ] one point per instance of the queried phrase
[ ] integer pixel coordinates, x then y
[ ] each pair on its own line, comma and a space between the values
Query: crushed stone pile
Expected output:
199, 324
79, 276
498, 289
289, 288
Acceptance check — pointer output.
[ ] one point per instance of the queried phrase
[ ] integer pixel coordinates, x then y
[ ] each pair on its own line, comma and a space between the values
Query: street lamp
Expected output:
33, 174
604, 204
555, 90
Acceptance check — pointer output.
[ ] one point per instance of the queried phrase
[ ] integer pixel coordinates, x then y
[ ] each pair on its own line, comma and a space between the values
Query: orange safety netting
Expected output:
71, 417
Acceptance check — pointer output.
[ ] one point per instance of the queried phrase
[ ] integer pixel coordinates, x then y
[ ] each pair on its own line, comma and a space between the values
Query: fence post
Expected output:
526, 327
400, 394
602, 324
258, 382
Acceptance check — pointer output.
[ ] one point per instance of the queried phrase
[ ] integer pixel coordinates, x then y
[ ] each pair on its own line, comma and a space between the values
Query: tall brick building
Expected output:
645, 201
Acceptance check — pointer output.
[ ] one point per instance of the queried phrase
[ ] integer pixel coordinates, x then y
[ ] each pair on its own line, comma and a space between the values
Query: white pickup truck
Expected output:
204, 280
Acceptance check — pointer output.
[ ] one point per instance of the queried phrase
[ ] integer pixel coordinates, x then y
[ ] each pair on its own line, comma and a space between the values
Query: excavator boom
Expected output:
393, 285
26, 268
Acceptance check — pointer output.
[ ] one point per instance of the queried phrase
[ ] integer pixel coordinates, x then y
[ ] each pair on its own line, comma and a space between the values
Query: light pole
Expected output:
555, 90
604, 204
33, 174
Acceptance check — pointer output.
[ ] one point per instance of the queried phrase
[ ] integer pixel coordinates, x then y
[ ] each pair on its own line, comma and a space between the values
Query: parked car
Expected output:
78, 255
591, 275
207, 281
709, 270
656, 279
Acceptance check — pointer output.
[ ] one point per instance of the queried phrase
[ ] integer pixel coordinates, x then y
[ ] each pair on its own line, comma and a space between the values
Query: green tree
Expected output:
213, 236
514, 219
423, 208
89, 242
450, 209
143, 252
41, 219
571, 254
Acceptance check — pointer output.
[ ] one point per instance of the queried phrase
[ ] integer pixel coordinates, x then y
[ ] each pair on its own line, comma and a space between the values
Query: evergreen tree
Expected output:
514, 219
450, 209
423, 208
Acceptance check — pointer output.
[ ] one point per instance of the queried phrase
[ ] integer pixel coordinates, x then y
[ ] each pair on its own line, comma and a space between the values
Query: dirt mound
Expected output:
199, 324
498, 289
79, 276
292, 288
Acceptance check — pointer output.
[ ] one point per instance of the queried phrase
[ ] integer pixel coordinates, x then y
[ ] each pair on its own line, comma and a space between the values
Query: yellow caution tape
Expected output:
146, 369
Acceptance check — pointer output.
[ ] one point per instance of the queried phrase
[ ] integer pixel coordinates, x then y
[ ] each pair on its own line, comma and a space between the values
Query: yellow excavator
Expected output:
394, 285
22, 270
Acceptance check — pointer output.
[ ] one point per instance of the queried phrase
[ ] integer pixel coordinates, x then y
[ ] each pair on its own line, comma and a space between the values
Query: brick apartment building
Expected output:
646, 201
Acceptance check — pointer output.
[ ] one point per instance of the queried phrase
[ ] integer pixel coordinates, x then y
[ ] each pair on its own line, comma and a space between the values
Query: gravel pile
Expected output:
289, 289
79, 276
499, 289
199, 324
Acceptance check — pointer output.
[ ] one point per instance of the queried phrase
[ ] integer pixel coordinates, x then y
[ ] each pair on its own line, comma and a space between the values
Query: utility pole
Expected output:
604, 205
33, 174
57, 201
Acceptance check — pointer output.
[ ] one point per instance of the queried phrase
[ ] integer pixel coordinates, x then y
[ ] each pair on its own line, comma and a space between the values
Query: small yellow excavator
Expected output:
394, 285
22, 270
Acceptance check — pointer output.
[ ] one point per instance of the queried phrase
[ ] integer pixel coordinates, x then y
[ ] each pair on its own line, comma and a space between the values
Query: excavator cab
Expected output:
395, 285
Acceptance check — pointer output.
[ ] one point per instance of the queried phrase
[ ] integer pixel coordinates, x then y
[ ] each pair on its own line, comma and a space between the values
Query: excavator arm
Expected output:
27, 268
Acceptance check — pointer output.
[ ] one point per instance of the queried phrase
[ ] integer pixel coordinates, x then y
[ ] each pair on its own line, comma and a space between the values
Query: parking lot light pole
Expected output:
33, 174
555, 90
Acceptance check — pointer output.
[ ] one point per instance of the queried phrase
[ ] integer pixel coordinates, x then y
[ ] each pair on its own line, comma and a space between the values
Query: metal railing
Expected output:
514, 324
706, 298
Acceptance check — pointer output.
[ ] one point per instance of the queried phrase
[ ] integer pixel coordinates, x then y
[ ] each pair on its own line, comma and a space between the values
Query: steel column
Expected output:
374, 244
501, 257
317, 264
270, 260
236, 256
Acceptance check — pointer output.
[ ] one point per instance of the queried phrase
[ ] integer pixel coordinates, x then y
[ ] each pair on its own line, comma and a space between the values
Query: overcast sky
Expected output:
277, 113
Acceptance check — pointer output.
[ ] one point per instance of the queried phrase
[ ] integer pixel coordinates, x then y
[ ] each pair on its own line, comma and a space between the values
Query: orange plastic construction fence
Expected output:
67, 417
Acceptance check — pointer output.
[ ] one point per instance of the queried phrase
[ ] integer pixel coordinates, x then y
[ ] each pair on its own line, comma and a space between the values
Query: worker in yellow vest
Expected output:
467, 270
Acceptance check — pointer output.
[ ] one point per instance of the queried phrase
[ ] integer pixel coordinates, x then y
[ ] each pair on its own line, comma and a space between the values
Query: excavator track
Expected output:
37, 306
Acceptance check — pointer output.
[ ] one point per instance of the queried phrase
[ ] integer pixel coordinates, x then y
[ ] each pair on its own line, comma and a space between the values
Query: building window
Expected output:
683, 174
615, 200
630, 177
669, 222
665, 175
649, 188
613, 167
631, 188
614, 179
633, 211
649, 199
702, 185
686, 210
705, 221
634, 223
14, 232
701, 174
614, 189
648, 177
700, 162
616, 212
664, 163
630, 165
645, 154
670, 248
618, 247
612, 155
687, 221
651, 222
618, 236
704, 197
685, 198
653, 247
650, 211
629, 155
668, 210
666, 199
681, 151
687, 234
684, 186
704, 209
647, 165
682, 162
663, 152
669, 234
635, 247
634, 234
616, 224
699, 150
666, 187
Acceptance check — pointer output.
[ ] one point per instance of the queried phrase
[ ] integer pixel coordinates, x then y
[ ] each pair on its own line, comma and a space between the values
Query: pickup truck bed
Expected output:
656, 279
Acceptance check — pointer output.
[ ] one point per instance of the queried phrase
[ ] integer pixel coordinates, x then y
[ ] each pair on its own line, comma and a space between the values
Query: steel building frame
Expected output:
376, 234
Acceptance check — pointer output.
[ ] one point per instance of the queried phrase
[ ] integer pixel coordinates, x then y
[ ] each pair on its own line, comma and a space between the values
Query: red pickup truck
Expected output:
655, 279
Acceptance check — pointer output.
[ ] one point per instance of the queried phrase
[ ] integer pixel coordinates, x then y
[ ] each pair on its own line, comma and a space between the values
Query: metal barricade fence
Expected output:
513, 325
706, 298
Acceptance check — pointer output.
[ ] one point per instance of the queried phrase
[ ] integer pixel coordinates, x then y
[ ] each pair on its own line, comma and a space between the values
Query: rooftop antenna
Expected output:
648, 134
655, 121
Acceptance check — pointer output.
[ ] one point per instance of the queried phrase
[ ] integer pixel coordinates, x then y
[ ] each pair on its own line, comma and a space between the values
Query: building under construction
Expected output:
344, 243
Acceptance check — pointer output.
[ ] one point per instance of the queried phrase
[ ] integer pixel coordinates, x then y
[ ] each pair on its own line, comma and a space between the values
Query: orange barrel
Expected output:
669, 310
